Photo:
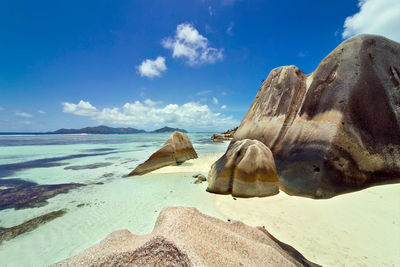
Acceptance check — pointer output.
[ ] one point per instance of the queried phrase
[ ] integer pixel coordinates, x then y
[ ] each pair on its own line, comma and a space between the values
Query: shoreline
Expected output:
353, 229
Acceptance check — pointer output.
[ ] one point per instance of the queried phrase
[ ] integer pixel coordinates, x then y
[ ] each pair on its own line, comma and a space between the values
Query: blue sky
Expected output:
191, 64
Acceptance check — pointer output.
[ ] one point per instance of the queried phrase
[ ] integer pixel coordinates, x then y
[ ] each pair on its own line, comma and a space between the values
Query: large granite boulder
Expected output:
175, 150
186, 237
338, 129
247, 169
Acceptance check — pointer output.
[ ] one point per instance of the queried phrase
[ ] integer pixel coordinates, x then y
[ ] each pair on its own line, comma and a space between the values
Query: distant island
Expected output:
169, 130
110, 130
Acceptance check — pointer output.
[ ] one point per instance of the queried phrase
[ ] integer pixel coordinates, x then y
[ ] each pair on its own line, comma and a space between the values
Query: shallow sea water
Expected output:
119, 203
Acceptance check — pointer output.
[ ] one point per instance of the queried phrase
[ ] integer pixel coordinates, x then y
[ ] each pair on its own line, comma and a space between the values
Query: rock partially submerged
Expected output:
224, 136
199, 178
219, 138
336, 130
247, 169
175, 150
174, 243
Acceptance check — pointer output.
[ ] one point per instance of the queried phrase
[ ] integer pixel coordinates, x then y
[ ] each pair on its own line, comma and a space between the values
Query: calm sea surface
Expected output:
109, 200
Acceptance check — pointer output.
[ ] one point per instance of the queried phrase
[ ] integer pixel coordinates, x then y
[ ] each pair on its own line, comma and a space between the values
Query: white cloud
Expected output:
191, 115
191, 46
230, 28
223, 107
41, 111
152, 68
23, 114
215, 100
152, 103
380, 17
210, 11
83, 108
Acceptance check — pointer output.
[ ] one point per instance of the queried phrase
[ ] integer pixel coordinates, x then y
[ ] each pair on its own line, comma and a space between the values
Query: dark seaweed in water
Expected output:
9, 169
88, 166
107, 175
10, 233
21, 194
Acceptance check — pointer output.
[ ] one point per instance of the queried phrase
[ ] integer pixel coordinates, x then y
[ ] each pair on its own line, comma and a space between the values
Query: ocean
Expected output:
101, 198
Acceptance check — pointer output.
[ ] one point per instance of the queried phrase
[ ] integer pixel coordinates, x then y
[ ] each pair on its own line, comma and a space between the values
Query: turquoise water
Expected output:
118, 202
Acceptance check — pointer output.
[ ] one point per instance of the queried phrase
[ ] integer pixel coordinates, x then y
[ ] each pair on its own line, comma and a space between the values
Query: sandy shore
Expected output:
202, 164
356, 229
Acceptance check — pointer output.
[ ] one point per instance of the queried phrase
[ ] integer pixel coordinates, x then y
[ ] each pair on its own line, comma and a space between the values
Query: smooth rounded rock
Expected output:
247, 169
336, 130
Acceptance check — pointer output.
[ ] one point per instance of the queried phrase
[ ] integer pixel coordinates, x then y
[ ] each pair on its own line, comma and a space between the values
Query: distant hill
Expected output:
169, 130
100, 130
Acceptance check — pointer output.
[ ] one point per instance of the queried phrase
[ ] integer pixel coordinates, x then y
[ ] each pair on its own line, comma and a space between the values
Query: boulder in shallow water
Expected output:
247, 169
175, 150
174, 243
200, 177
336, 130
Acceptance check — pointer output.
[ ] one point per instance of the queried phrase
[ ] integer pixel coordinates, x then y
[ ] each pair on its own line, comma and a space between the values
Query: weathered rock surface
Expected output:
175, 150
247, 169
174, 243
338, 129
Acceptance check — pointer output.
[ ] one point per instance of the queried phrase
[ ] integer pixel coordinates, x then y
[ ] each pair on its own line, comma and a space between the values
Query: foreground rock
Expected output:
174, 243
338, 129
247, 169
175, 150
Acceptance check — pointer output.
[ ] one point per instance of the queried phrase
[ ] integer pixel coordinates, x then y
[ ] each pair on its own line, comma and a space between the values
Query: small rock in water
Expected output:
80, 205
200, 176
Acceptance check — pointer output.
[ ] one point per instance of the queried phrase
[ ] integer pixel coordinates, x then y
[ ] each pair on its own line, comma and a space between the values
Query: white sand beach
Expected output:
202, 164
355, 229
